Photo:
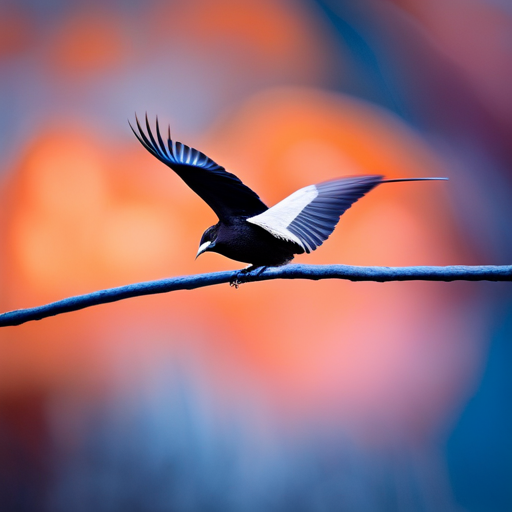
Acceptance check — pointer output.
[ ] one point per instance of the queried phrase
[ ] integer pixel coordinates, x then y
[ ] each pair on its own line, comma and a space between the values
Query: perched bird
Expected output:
248, 230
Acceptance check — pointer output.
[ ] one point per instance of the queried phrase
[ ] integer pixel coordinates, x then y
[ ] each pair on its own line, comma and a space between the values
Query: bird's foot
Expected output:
245, 275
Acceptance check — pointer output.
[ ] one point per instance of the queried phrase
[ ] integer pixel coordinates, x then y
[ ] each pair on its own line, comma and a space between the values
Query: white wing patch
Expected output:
309, 216
277, 219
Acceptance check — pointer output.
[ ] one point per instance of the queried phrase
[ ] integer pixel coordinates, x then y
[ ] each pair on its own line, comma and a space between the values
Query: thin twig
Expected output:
315, 272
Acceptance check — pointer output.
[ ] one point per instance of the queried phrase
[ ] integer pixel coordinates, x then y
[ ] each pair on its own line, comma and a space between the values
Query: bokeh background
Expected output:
278, 396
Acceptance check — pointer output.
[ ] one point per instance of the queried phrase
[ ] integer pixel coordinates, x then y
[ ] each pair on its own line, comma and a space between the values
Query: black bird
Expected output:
248, 230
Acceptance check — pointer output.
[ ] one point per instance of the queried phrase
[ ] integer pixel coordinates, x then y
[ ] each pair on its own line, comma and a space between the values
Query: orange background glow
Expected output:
308, 374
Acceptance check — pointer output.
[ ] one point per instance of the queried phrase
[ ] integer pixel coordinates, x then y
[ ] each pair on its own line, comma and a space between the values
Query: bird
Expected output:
248, 230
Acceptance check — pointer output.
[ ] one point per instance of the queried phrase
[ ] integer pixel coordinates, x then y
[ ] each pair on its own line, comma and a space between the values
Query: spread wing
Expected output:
226, 195
309, 216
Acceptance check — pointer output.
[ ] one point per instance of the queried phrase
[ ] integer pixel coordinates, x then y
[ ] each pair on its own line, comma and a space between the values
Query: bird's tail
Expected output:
412, 179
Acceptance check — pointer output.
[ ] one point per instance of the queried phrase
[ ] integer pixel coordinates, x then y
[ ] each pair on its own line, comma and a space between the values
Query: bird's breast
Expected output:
249, 243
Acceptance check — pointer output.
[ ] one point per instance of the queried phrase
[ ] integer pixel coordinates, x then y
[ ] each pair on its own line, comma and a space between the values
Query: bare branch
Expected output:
314, 272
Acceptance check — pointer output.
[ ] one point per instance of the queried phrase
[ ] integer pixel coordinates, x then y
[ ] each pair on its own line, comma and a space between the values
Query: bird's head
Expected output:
208, 240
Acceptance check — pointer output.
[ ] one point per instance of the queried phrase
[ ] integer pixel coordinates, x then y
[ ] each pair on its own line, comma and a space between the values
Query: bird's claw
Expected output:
235, 281
245, 274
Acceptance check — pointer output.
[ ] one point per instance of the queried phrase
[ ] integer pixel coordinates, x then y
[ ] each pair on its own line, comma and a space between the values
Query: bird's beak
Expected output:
203, 248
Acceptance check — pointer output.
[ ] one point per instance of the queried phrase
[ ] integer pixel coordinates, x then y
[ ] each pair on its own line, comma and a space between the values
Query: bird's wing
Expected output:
309, 216
226, 195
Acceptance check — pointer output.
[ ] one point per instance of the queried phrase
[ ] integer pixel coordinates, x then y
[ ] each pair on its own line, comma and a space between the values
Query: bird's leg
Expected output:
259, 269
241, 277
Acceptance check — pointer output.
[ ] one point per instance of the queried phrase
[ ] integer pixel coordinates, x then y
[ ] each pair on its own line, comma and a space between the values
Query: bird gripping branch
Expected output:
248, 230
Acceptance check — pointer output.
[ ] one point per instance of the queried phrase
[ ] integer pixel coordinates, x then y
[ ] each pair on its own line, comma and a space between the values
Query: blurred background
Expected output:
278, 396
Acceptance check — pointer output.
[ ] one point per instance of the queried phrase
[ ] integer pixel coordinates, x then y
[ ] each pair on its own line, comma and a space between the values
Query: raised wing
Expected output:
309, 216
226, 195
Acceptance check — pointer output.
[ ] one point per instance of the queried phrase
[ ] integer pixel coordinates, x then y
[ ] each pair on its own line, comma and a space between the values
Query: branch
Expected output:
314, 272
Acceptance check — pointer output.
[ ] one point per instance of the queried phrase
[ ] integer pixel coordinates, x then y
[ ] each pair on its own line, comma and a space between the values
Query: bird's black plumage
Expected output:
248, 230
226, 195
